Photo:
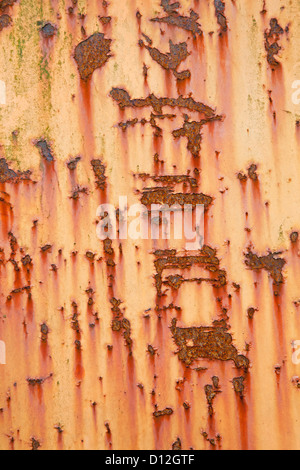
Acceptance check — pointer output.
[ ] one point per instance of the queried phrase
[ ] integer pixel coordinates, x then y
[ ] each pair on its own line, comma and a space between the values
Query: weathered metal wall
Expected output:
203, 91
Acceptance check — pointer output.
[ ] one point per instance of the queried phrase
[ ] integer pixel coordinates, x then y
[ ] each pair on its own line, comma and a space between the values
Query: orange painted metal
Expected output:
91, 357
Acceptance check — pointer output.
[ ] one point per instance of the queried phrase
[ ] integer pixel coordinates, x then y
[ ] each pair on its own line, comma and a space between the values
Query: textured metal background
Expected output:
80, 373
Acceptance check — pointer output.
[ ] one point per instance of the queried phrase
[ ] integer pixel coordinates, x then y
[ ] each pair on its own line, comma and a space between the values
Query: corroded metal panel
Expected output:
127, 343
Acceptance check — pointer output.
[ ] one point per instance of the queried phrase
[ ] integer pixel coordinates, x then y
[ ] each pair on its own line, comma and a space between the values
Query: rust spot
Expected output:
108, 249
124, 100
171, 180
220, 14
77, 191
45, 150
105, 19
272, 37
6, 3
270, 263
252, 172
211, 394
12, 242
238, 385
90, 255
216, 382
170, 7
294, 237
175, 19
35, 444
75, 319
167, 196
44, 331
10, 176
161, 413
151, 350
121, 324
46, 248
130, 123
92, 54
48, 30
212, 342
206, 259
59, 428
72, 164
296, 381
26, 260
171, 61
5, 21
251, 312
242, 177
32, 382
177, 444
99, 172
192, 131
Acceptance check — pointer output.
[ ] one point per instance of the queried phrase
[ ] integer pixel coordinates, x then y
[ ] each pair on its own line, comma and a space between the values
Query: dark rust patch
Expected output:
206, 259
45, 150
171, 61
151, 350
173, 18
44, 332
6, 3
105, 19
177, 444
251, 312
211, 394
212, 342
270, 263
77, 191
72, 164
26, 260
294, 237
99, 171
170, 7
48, 30
192, 131
220, 14
272, 36
10, 176
32, 382
130, 123
92, 54
35, 444
170, 180
124, 100
121, 324
161, 413
46, 248
252, 172
5, 21
167, 196
238, 385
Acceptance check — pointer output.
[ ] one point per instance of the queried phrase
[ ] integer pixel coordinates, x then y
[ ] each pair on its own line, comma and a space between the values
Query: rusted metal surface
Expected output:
138, 344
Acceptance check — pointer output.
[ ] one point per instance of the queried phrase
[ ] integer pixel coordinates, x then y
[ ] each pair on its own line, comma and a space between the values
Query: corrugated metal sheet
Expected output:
92, 329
